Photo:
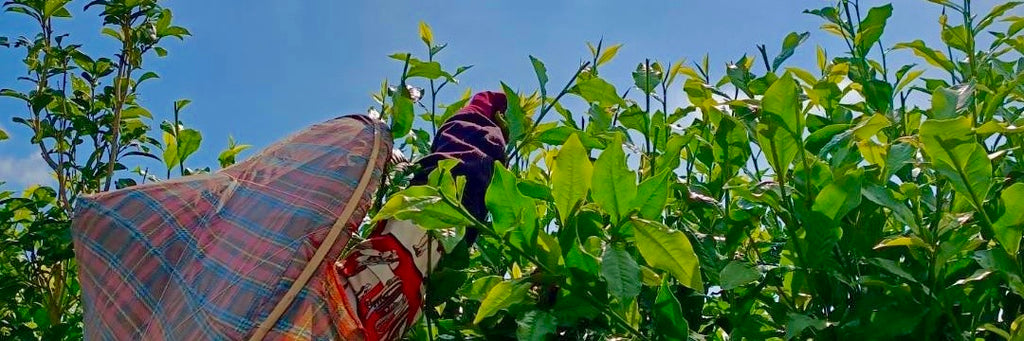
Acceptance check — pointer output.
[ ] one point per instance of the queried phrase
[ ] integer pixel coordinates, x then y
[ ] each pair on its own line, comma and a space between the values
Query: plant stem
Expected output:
485, 228
544, 111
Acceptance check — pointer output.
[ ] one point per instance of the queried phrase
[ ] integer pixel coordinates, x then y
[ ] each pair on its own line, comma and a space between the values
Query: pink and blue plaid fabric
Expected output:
207, 257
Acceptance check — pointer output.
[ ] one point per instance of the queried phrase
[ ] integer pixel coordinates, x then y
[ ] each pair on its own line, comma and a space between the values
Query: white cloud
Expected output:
20, 172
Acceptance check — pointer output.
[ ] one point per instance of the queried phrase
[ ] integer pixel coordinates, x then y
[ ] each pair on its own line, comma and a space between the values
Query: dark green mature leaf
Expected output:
424, 206
542, 73
597, 90
669, 251
647, 78
798, 322
536, 325
570, 176
668, 315
1008, 228
789, 45
518, 123
501, 296
621, 272
954, 153
509, 208
652, 195
883, 197
737, 274
402, 115
614, 184
871, 28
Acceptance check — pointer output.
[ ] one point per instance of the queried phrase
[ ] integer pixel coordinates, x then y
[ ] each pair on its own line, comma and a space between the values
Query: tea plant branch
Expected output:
545, 109
124, 73
533, 259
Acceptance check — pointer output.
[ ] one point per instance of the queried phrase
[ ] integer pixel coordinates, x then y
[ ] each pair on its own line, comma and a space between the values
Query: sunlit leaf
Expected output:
501, 296
669, 251
614, 184
570, 176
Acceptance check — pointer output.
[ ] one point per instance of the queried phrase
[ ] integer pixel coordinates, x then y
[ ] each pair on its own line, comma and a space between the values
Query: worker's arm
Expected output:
381, 281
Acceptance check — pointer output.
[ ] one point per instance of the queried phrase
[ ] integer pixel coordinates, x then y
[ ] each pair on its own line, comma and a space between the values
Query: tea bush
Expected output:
778, 203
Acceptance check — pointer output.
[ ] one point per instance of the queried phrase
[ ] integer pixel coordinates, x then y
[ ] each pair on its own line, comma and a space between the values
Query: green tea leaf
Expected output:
428, 70
518, 123
570, 176
652, 195
955, 153
669, 251
668, 315
480, 287
871, 28
933, 57
621, 272
424, 206
841, 196
170, 150
502, 296
1008, 227
509, 208
597, 90
426, 34
647, 78
737, 274
789, 45
542, 73
781, 100
946, 102
402, 115
798, 322
614, 184
608, 53
188, 142
536, 325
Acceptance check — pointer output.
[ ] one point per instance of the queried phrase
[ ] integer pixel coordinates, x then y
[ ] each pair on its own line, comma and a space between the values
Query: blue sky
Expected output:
261, 69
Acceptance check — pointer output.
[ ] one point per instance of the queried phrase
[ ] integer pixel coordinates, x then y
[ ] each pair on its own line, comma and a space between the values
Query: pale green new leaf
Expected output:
954, 153
614, 183
669, 251
597, 90
501, 296
570, 176
424, 206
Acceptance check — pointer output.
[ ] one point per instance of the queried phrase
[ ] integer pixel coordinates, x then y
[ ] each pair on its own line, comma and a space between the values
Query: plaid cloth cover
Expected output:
207, 257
